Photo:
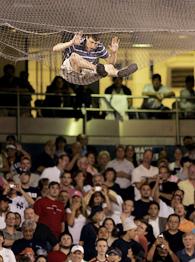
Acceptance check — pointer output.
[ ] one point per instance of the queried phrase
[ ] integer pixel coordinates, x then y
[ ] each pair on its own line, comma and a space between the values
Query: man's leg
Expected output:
78, 63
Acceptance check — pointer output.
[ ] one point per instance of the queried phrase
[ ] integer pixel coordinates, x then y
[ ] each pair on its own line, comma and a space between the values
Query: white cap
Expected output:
77, 248
129, 224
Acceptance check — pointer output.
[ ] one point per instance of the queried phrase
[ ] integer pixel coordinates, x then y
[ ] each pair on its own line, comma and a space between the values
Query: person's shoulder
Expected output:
127, 90
109, 90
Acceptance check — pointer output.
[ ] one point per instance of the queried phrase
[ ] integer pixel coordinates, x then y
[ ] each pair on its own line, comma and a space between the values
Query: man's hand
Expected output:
77, 38
114, 44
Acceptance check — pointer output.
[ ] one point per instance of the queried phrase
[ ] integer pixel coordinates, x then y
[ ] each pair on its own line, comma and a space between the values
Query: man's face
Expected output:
91, 43
189, 241
145, 191
153, 211
156, 84
77, 256
28, 233
128, 206
64, 162
65, 241
191, 172
24, 178
29, 214
173, 223
4, 206
163, 174
102, 247
54, 191
120, 153
132, 233
103, 233
147, 157
10, 219
26, 164
113, 258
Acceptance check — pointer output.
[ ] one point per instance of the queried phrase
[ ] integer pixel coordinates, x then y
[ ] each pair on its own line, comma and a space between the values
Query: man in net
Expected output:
81, 65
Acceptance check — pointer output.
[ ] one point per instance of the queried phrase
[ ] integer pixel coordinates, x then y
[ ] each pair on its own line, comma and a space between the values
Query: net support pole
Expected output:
18, 133
177, 123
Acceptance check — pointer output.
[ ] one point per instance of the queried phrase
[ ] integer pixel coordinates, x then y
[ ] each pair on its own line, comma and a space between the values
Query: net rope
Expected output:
149, 30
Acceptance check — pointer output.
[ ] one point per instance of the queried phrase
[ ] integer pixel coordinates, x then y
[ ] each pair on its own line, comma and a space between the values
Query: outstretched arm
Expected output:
75, 41
113, 51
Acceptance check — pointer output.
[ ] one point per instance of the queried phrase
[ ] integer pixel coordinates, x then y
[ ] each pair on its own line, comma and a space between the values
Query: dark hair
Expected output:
110, 169
173, 215
53, 183
12, 137
154, 203
100, 239
1, 233
10, 212
42, 183
95, 37
66, 233
24, 258
189, 79
91, 201
156, 76
115, 231
60, 139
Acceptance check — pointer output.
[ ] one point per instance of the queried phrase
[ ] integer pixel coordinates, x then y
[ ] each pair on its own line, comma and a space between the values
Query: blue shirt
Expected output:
91, 56
184, 257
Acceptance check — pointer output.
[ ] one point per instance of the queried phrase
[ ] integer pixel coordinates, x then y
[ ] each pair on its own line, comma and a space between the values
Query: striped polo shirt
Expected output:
91, 56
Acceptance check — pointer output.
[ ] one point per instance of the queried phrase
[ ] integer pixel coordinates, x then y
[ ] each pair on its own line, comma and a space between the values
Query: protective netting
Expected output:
150, 30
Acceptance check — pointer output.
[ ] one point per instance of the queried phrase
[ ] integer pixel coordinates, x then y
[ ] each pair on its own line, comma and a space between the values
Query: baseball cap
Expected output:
27, 250
10, 146
77, 248
94, 210
129, 224
76, 193
115, 251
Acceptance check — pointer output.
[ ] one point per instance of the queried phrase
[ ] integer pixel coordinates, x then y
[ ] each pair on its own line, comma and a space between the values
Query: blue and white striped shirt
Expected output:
91, 56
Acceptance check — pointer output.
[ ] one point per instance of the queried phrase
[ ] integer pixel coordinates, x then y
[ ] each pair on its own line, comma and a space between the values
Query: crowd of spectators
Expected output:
65, 100
73, 203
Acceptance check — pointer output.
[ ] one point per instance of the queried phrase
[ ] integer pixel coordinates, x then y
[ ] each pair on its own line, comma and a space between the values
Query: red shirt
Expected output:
51, 213
56, 256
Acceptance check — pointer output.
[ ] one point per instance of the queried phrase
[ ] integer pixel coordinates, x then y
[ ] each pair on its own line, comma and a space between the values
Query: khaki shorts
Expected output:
86, 77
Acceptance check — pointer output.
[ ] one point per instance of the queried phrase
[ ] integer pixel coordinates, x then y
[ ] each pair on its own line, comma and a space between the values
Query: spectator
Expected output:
187, 103
89, 232
172, 234
102, 160
5, 253
60, 145
124, 170
117, 100
54, 173
161, 251
101, 248
114, 255
9, 232
156, 92
50, 210
130, 155
144, 172
158, 223
126, 242
188, 253
112, 230
77, 254
76, 218
65, 244
185, 225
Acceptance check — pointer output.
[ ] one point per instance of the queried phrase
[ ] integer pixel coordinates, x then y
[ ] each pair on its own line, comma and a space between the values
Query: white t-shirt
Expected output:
8, 255
153, 102
75, 230
52, 173
19, 204
155, 226
125, 166
2, 221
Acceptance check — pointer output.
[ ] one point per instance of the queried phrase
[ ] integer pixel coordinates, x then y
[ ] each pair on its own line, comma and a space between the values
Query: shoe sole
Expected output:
101, 70
127, 70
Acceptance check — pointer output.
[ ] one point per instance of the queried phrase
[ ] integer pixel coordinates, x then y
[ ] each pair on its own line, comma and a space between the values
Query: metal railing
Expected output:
84, 108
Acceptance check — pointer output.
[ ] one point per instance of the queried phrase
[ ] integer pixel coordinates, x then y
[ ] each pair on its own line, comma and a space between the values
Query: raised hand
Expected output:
114, 44
77, 38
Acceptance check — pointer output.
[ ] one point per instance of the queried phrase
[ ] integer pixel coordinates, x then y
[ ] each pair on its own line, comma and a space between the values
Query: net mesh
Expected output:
150, 30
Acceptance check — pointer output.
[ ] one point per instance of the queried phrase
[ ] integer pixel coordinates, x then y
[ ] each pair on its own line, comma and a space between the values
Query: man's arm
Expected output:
75, 41
113, 51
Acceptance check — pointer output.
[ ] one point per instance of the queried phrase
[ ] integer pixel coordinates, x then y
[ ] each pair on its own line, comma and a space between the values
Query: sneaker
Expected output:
126, 71
101, 70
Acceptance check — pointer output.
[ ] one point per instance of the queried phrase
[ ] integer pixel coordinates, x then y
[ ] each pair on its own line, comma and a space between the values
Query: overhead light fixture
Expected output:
142, 45
183, 36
